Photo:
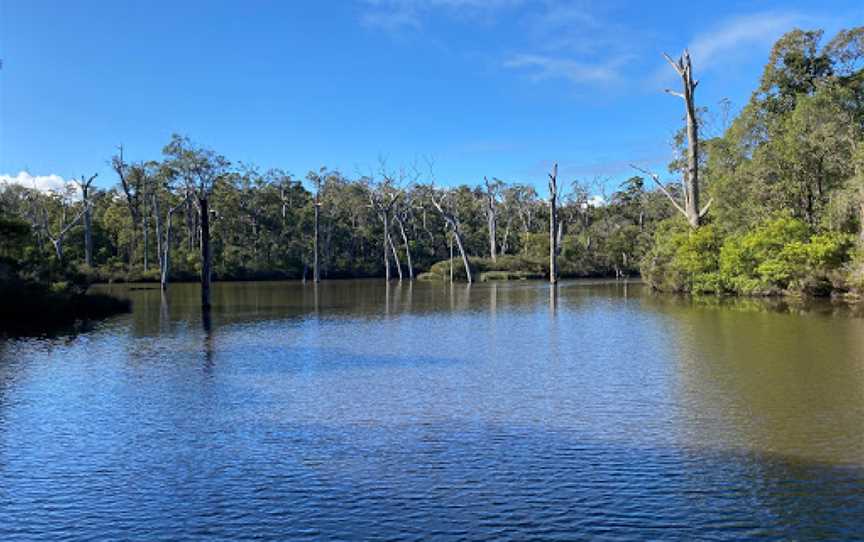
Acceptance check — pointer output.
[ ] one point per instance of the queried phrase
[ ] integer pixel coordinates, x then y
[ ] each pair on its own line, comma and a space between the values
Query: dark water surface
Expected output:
420, 412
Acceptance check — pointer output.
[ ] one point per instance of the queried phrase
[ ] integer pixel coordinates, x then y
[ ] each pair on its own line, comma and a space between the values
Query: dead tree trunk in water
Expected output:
451, 257
204, 206
395, 255
553, 225
491, 219
157, 223
386, 249
316, 272
165, 246
401, 224
450, 219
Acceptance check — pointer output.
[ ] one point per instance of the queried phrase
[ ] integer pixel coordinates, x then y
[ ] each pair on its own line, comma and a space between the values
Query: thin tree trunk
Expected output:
395, 256
165, 259
407, 249
553, 225
386, 249
158, 224
205, 251
88, 227
451, 257
166, 255
505, 242
58, 248
451, 221
84, 185
145, 236
191, 225
692, 152
316, 272
464, 256
493, 252
491, 221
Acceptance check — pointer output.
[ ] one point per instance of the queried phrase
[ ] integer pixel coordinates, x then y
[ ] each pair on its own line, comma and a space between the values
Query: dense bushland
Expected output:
787, 183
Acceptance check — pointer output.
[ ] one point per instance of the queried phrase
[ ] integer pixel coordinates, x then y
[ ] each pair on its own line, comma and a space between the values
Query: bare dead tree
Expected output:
689, 207
316, 271
451, 256
401, 216
553, 225
493, 188
441, 202
382, 199
63, 227
395, 255
84, 185
165, 249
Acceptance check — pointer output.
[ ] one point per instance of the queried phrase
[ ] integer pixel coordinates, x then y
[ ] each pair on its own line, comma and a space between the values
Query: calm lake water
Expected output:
415, 412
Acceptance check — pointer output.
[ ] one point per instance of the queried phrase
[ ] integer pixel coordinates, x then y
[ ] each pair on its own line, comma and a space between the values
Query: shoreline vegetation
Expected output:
766, 202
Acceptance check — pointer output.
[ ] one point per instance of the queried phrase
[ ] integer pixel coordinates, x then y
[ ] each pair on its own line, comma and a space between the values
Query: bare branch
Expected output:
662, 188
673, 93
85, 183
704, 210
677, 65
68, 226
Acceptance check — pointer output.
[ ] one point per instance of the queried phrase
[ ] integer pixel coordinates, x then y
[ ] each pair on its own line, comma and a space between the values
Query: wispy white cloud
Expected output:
741, 32
394, 15
585, 42
577, 41
569, 40
541, 67
578, 28
733, 40
44, 183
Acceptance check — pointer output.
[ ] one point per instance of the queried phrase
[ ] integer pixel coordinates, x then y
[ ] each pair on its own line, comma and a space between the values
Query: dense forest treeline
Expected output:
262, 222
782, 206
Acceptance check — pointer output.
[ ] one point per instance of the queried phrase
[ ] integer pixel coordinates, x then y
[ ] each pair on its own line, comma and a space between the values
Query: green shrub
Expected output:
506, 263
781, 255
683, 259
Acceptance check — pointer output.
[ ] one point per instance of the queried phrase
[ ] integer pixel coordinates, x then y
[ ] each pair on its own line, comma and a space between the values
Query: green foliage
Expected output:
682, 259
504, 265
782, 255
779, 256
489, 276
39, 294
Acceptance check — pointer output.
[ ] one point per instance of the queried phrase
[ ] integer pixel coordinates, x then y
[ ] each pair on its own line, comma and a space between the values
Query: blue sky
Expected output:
484, 87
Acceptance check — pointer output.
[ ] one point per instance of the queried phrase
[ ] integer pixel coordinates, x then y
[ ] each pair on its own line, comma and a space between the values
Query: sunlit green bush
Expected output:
683, 259
779, 256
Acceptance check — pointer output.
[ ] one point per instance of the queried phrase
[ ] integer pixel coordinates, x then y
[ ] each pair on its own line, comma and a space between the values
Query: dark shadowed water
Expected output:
422, 412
